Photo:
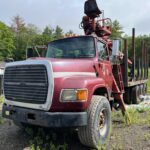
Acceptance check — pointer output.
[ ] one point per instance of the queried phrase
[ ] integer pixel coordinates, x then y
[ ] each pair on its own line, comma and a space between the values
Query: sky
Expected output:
68, 13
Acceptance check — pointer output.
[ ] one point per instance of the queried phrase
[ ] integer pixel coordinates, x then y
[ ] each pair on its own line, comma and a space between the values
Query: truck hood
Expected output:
67, 67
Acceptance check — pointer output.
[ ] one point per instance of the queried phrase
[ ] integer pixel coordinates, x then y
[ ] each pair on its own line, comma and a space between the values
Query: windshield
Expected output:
78, 47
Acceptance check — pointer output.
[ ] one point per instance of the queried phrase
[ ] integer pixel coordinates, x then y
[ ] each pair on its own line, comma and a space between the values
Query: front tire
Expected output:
99, 123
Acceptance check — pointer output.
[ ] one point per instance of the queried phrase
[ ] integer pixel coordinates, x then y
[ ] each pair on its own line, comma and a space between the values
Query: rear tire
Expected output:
135, 95
99, 123
144, 89
141, 89
127, 96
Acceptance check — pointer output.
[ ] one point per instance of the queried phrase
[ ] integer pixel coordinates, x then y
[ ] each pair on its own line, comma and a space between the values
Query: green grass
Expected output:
134, 117
1, 120
1, 99
148, 84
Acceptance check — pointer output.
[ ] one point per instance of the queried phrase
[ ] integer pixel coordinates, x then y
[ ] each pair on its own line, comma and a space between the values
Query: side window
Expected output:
101, 50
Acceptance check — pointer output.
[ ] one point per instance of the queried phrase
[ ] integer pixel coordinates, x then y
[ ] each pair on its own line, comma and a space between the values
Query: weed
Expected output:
117, 116
29, 131
42, 140
148, 124
117, 147
52, 146
127, 118
148, 119
102, 147
1, 120
1, 99
143, 109
146, 137
62, 147
132, 118
148, 84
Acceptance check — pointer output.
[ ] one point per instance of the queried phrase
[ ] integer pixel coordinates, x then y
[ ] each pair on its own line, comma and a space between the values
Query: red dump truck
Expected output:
77, 82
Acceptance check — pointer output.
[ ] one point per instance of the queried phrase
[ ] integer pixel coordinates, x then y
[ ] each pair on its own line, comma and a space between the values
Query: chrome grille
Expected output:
26, 83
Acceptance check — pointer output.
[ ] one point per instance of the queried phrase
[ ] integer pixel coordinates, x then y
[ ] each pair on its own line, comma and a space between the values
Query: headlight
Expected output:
74, 95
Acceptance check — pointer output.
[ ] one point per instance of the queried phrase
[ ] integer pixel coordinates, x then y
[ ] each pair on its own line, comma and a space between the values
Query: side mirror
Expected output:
9, 60
29, 53
115, 47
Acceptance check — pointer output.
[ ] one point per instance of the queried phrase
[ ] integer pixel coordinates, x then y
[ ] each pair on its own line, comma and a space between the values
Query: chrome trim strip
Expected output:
64, 74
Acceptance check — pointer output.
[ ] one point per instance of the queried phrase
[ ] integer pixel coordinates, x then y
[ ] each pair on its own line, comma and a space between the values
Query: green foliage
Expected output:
29, 36
6, 42
24, 36
48, 31
58, 33
48, 34
116, 30
138, 45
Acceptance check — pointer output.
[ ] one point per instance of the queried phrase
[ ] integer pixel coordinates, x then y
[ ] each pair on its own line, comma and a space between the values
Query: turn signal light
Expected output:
82, 95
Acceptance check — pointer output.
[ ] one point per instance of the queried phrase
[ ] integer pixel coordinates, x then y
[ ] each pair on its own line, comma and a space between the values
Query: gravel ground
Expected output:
135, 137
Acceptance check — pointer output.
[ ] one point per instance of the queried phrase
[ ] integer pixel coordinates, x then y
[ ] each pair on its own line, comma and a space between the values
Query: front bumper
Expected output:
44, 119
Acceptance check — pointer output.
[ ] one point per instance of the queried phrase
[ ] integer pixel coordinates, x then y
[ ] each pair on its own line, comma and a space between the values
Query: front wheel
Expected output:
99, 123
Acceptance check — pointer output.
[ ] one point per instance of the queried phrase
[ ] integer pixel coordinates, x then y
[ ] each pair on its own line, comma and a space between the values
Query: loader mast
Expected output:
125, 82
95, 23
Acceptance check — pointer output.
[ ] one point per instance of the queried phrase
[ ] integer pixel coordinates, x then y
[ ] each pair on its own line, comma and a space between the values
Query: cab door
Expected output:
105, 68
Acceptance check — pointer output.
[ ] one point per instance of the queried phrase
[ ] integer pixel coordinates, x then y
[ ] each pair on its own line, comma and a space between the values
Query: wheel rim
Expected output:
102, 126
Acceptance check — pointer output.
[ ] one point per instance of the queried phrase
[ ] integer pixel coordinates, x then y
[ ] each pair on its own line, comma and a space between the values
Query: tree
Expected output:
138, 45
24, 36
70, 32
116, 30
18, 24
32, 33
48, 34
6, 42
20, 37
32, 29
58, 33
48, 31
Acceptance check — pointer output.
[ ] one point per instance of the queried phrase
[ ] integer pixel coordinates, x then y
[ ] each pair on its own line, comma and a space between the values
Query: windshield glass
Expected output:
78, 47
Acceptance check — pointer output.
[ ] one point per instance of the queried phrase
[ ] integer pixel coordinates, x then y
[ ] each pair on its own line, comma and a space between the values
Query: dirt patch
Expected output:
123, 137
135, 137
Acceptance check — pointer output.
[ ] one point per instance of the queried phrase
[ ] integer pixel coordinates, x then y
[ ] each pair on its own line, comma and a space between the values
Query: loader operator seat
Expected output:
91, 9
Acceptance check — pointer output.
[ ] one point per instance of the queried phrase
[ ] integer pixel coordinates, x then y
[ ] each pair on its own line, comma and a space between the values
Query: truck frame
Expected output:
77, 83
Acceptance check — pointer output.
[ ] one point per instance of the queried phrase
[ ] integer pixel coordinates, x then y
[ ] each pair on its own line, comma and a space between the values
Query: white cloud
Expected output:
68, 13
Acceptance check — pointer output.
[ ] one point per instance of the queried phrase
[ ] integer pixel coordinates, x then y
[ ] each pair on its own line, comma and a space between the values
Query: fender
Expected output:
75, 82
102, 86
